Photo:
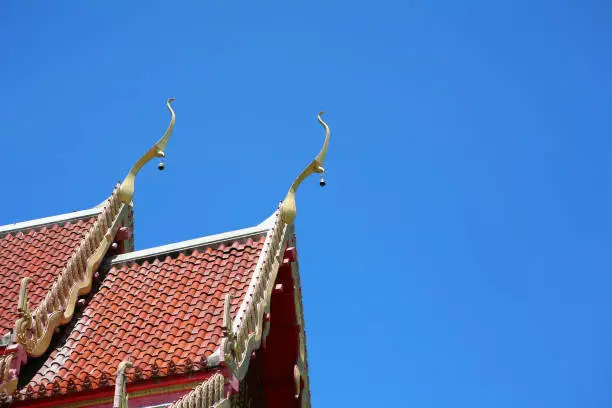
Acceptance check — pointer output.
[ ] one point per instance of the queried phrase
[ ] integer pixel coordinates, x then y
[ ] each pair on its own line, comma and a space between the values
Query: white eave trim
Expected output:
56, 219
193, 243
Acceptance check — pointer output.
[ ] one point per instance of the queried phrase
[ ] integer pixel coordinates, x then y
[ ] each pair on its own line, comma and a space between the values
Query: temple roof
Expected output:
39, 249
161, 308
89, 315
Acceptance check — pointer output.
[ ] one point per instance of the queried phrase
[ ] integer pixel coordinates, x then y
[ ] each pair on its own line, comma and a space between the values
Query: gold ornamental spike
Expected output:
227, 315
22, 303
288, 209
121, 396
126, 190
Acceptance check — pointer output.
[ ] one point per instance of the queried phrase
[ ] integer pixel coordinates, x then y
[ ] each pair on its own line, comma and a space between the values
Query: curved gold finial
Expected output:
288, 208
126, 191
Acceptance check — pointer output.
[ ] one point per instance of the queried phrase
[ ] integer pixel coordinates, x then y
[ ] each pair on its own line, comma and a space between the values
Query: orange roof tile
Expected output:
163, 314
40, 253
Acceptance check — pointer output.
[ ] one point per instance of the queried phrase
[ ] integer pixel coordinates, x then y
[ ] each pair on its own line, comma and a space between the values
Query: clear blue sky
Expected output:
460, 254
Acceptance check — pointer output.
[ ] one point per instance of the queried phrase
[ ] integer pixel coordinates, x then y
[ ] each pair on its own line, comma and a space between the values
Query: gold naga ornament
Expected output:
121, 397
23, 308
34, 328
126, 190
288, 209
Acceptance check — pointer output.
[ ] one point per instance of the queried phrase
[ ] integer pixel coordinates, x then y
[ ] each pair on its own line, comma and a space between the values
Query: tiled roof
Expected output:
38, 252
164, 314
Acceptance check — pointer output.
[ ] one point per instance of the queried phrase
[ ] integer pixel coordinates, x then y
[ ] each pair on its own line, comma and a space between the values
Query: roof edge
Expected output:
195, 243
74, 279
54, 219
235, 350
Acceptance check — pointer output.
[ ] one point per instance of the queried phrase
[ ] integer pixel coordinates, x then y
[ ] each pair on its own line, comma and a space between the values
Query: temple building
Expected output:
216, 321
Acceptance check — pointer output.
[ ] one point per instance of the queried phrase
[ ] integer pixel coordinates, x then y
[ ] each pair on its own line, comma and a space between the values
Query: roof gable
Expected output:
165, 315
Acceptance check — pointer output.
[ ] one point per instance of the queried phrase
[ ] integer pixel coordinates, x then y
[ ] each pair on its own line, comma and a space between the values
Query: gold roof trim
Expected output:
34, 328
210, 393
248, 328
8, 385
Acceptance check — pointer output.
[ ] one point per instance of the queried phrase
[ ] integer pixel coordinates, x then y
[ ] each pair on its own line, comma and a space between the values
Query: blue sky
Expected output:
460, 254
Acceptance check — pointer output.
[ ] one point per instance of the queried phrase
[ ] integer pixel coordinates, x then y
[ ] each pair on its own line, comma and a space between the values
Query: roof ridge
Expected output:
195, 243
45, 221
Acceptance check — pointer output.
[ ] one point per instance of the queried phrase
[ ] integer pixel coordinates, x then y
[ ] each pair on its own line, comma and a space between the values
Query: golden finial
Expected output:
126, 191
288, 209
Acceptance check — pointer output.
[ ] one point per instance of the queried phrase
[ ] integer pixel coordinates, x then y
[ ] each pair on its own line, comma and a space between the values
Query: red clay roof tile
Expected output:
38, 253
153, 313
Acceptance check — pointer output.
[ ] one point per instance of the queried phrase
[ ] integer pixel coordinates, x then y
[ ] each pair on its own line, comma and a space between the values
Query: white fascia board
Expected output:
56, 219
195, 243
188, 245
